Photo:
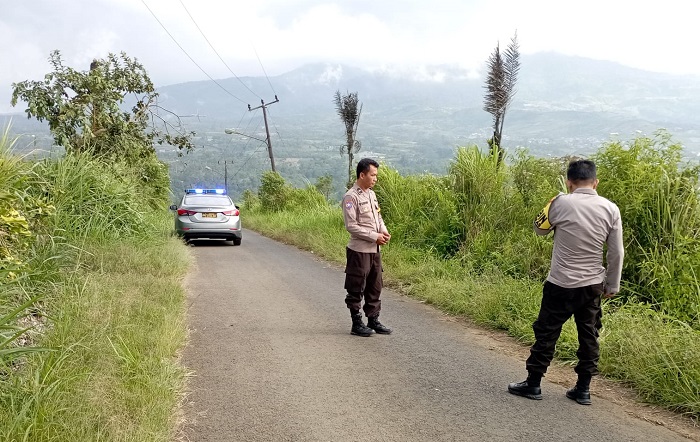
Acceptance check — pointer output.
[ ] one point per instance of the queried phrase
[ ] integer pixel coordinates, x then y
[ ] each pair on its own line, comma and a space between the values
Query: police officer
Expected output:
363, 271
583, 223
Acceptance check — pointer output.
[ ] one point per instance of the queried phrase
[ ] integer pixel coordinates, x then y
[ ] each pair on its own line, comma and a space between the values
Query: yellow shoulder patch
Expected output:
542, 219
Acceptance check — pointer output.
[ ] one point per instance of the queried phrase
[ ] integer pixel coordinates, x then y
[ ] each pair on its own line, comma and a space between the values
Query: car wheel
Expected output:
237, 241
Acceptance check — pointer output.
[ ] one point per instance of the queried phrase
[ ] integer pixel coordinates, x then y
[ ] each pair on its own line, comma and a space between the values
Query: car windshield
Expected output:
207, 200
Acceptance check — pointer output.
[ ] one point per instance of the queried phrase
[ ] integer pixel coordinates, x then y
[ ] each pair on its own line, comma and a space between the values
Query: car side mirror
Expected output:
237, 208
173, 207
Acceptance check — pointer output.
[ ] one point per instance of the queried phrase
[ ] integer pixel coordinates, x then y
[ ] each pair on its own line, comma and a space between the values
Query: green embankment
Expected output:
92, 259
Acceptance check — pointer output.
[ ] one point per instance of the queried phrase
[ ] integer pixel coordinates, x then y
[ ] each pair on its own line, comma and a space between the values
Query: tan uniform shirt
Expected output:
582, 223
362, 219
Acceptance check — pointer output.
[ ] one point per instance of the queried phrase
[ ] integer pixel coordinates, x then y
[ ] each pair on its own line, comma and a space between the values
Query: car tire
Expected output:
237, 241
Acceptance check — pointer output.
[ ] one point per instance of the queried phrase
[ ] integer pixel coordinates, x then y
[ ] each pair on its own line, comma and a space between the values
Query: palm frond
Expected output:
500, 88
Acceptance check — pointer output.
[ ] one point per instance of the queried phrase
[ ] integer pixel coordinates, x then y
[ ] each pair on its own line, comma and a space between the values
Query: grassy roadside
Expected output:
91, 302
656, 355
115, 326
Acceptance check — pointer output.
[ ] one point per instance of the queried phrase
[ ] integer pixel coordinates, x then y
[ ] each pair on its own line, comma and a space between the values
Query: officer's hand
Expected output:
609, 295
382, 239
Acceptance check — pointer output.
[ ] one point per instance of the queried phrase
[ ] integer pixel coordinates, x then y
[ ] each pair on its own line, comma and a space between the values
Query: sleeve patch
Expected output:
542, 219
348, 205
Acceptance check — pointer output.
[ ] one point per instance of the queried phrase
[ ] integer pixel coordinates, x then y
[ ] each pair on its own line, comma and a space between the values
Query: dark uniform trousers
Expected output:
558, 305
363, 279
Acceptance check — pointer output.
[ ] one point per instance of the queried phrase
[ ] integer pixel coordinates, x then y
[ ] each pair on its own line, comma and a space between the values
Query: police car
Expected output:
208, 214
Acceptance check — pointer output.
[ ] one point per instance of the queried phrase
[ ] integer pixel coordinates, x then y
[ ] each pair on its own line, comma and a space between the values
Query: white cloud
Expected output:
281, 34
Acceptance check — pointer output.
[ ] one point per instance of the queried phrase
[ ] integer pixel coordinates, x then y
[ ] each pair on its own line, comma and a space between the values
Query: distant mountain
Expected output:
563, 104
414, 119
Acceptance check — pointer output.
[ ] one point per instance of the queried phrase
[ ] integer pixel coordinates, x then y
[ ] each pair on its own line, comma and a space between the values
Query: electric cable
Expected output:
215, 51
248, 139
265, 72
248, 159
262, 144
188, 55
277, 130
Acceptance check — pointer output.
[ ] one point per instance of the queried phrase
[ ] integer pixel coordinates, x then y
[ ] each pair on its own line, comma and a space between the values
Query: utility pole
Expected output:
264, 105
226, 174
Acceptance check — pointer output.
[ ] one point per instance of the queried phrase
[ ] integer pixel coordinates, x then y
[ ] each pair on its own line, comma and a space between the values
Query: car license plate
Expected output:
209, 215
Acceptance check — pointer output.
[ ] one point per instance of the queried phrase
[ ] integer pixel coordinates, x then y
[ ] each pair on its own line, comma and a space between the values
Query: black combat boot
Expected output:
358, 327
581, 393
529, 388
374, 324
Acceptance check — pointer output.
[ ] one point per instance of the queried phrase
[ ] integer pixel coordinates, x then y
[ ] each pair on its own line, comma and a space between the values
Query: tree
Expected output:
84, 108
349, 109
324, 184
500, 89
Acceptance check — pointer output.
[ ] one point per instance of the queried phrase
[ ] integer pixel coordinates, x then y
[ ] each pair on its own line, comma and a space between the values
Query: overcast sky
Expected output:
279, 35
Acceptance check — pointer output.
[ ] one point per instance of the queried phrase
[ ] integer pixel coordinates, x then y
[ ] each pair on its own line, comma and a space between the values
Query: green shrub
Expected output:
478, 181
537, 179
659, 201
273, 192
308, 198
497, 204
421, 211
14, 227
251, 202
153, 181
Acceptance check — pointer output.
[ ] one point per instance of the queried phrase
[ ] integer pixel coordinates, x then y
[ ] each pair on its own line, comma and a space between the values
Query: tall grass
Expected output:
318, 229
657, 354
659, 199
14, 226
476, 213
20, 215
423, 211
112, 310
92, 198
117, 325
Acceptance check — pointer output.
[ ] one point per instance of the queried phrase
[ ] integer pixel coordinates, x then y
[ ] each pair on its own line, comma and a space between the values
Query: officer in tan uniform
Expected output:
363, 272
583, 223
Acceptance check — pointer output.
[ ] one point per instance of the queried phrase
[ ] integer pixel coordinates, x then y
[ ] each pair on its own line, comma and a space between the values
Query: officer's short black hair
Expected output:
581, 170
363, 165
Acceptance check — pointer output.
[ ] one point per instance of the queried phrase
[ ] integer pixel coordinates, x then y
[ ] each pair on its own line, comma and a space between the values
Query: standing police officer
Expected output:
363, 272
583, 223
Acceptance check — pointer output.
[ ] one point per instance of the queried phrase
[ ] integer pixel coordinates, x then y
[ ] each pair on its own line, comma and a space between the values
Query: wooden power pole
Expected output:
264, 105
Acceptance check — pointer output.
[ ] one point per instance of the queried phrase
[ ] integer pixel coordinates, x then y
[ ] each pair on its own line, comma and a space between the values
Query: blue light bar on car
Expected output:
202, 191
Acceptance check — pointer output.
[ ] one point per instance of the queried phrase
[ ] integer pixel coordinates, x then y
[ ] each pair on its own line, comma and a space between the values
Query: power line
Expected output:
250, 156
248, 159
264, 72
264, 108
278, 133
188, 55
217, 54
249, 122
248, 140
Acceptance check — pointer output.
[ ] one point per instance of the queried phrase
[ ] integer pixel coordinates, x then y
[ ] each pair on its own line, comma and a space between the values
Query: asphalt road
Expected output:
273, 360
